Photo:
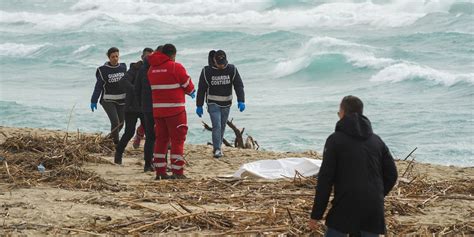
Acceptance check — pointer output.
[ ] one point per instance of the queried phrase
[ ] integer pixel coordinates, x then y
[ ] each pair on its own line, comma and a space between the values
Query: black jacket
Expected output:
128, 82
107, 85
143, 89
360, 167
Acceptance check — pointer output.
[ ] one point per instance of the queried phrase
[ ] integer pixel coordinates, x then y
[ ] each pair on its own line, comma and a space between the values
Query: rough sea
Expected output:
410, 61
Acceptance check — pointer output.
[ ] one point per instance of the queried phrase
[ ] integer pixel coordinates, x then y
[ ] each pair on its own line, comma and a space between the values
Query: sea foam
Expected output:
19, 50
410, 71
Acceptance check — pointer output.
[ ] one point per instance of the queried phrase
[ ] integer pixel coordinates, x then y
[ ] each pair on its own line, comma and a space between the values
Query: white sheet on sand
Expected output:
281, 168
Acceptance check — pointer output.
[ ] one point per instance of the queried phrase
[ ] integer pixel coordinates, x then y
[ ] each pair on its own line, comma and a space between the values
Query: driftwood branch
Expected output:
239, 141
410, 153
250, 142
209, 128
8, 169
119, 126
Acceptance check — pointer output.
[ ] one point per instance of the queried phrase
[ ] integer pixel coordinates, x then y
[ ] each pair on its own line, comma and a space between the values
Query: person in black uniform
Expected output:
215, 87
112, 95
133, 110
358, 164
143, 97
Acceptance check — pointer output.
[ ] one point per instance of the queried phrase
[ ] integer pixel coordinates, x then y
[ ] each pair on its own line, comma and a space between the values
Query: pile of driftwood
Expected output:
414, 193
250, 142
231, 207
62, 158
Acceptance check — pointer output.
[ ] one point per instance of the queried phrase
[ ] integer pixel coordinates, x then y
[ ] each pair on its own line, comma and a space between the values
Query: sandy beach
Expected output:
428, 198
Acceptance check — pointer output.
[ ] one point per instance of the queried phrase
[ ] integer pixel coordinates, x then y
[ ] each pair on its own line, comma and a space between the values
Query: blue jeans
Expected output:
335, 233
219, 116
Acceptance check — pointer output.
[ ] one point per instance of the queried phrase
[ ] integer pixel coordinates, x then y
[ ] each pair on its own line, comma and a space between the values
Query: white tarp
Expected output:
281, 168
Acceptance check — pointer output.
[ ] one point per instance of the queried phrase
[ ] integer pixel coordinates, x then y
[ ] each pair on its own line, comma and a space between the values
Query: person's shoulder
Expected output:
175, 65
178, 64
332, 137
136, 65
336, 137
378, 139
123, 65
103, 66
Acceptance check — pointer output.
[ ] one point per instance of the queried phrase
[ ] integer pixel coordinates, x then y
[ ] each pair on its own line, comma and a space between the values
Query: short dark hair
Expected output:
159, 48
352, 105
169, 50
111, 51
147, 50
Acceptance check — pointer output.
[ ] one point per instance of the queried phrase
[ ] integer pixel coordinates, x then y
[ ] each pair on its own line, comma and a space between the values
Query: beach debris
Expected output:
221, 206
41, 168
264, 207
62, 158
250, 142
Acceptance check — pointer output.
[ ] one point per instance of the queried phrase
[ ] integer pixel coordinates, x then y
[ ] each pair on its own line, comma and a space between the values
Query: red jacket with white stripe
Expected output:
169, 83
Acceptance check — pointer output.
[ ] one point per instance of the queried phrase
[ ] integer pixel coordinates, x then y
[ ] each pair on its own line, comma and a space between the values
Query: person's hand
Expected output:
93, 106
241, 106
193, 94
313, 224
199, 111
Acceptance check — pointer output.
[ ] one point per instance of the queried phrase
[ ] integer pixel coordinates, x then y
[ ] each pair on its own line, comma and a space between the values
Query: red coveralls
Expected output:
169, 83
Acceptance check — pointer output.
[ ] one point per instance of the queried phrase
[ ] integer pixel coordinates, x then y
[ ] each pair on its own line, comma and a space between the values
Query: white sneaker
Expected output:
218, 154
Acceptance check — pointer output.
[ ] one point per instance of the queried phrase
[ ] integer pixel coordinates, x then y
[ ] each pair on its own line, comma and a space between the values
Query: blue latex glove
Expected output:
241, 106
93, 106
199, 111
193, 94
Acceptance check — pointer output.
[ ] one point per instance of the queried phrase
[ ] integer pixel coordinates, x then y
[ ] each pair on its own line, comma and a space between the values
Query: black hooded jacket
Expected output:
128, 82
358, 164
143, 89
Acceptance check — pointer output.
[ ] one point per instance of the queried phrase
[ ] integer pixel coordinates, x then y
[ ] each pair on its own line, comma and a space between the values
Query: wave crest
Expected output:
83, 48
360, 56
236, 13
408, 71
20, 50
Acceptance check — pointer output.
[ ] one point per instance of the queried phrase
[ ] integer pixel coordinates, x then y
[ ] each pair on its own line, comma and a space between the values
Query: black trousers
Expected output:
115, 112
131, 119
149, 126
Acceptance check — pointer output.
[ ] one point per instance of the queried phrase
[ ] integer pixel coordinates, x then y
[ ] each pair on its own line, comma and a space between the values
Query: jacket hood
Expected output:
158, 58
355, 125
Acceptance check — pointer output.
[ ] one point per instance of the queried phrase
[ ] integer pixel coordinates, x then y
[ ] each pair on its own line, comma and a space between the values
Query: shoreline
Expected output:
106, 198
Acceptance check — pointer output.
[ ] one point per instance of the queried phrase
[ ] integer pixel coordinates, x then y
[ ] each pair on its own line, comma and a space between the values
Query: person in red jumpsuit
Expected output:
169, 83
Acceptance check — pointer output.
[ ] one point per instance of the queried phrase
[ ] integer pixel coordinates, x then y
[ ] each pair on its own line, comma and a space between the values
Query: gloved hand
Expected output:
199, 111
193, 94
93, 106
241, 106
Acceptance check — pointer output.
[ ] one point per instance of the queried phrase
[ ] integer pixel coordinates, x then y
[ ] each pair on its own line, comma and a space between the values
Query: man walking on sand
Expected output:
358, 164
133, 110
169, 83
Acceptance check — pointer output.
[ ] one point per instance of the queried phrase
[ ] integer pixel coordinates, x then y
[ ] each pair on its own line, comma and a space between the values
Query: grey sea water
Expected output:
411, 62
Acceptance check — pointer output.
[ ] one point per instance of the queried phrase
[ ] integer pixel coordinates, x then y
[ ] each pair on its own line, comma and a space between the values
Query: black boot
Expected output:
179, 176
148, 167
118, 158
163, 176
